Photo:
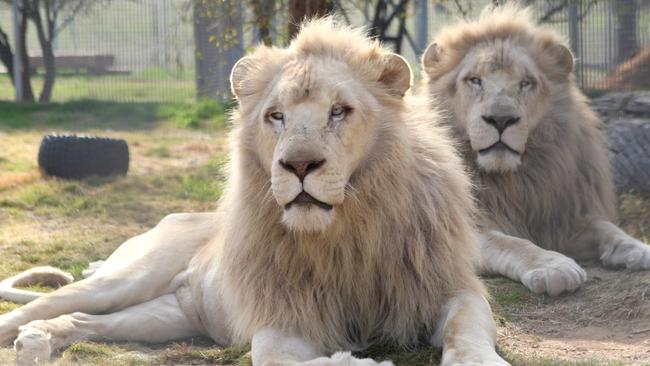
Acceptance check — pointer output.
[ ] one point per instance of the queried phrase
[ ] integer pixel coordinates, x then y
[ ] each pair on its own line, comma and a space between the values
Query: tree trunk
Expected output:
218, 37
626, 12
45, 39
28, 94
383, 21
264, 10
6, 55
299, 10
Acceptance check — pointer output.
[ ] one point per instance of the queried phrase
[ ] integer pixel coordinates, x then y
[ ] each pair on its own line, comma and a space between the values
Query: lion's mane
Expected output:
564, 180
402, 242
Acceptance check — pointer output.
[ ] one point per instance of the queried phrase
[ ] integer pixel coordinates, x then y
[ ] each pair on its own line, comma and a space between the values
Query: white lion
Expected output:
346, 221
535, 150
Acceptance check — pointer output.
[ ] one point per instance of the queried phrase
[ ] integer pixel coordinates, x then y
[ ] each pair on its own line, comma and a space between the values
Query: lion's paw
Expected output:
490, 358
629, 253
500, 362
33, 345
345, 358
555, 274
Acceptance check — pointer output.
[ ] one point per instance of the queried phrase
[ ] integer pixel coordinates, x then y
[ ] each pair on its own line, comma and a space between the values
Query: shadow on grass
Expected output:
82, 115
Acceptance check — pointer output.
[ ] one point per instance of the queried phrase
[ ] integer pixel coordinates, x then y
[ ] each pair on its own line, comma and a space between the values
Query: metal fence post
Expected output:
574, 38
18, 61
422, 22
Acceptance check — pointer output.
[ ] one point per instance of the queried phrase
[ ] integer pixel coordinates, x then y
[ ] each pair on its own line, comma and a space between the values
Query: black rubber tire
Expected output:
630, 154
76, 157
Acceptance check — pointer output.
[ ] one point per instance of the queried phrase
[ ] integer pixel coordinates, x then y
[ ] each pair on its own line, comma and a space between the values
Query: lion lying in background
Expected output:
534, 148
346, 221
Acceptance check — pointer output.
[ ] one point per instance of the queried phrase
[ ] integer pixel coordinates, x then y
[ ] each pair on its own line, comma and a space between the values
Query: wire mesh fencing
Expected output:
118, 50
610, 39
173, 50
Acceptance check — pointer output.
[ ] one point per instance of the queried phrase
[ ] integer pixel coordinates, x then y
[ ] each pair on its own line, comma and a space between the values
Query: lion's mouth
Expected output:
305, 198
499, 145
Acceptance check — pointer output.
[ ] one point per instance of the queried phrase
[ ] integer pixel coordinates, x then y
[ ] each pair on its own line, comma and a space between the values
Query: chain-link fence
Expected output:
609, 38
174, 50
119, 50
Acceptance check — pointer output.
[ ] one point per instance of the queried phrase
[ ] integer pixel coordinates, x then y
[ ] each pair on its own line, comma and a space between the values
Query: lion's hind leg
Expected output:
158, 320
141, 269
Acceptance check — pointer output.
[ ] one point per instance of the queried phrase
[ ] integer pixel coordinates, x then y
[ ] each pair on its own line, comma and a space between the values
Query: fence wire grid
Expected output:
163, 51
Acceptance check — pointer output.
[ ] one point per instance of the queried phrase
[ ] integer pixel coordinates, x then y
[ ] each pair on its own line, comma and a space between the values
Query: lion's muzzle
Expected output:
305, 198
501, 122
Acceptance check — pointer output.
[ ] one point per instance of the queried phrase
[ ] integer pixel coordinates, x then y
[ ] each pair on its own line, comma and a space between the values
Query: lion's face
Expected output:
498, 95
313, 137
315, 126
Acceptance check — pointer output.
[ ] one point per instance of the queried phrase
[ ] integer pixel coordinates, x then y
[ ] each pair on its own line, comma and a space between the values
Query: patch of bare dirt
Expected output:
186, 154
607, 319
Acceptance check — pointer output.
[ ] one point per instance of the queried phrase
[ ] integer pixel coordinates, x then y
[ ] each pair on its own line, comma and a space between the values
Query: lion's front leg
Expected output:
615, 247
271, 347
467, 333
542, 271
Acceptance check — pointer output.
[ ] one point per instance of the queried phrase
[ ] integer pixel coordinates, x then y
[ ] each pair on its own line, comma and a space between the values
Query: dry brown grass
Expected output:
69, 223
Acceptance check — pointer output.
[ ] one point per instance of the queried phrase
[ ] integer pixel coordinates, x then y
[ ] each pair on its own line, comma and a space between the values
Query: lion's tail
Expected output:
47, 276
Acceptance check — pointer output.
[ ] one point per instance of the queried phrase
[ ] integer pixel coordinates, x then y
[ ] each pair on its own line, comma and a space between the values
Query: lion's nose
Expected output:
501, 122
302, 168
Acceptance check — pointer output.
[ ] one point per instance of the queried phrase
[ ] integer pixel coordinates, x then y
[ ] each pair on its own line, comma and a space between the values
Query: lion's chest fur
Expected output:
562, 184
399, 247
337, 292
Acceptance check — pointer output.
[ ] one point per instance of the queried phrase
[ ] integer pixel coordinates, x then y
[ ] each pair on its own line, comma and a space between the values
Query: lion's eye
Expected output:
475, 81
278, 116
525, 84
338, 112
275, 118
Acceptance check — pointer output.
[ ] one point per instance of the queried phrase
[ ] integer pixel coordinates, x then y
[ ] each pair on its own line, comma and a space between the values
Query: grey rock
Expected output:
639, 105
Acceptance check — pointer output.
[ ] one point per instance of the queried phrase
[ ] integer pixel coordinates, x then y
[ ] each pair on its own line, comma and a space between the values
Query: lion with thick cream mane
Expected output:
534, 147
346, 221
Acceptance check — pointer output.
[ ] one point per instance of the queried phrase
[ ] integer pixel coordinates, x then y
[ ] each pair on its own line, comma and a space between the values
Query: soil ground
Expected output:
70, 223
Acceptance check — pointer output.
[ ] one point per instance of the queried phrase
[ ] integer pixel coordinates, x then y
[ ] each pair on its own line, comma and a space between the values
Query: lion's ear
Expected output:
396, 74
563, 59
431, 56
240, 77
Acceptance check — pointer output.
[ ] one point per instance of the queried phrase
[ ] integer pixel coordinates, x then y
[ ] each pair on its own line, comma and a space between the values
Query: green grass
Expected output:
509, 298
205, 113
147, 86
523, 360
83, 115
178, 154
635, 215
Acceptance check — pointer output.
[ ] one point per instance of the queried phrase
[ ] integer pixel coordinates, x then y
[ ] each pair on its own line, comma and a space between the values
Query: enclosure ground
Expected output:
67, 224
